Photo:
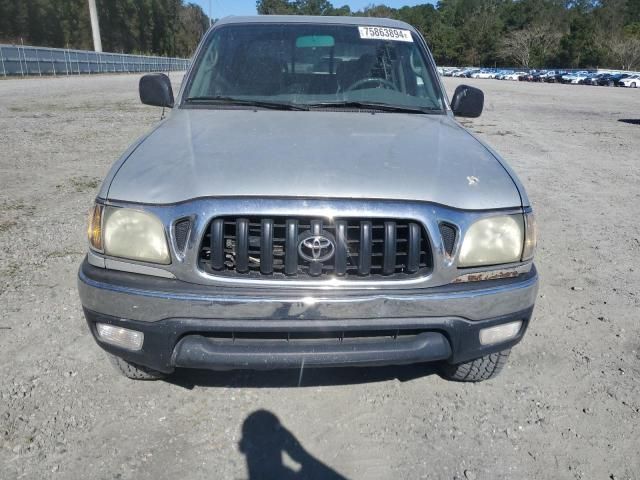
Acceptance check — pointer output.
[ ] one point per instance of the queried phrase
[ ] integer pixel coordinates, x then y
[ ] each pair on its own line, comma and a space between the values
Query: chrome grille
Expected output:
261, 247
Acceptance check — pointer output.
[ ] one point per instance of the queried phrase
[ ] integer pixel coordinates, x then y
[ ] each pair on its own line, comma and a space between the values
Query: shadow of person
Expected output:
265, 441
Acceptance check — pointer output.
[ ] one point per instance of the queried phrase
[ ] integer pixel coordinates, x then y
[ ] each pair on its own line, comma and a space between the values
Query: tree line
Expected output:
161, 27
523, 33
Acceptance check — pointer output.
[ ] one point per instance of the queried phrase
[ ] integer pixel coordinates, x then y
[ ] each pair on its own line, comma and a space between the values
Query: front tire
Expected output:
133, 371
477, 370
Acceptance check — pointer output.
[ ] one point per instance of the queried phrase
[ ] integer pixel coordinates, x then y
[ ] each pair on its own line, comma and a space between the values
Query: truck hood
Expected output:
267, 153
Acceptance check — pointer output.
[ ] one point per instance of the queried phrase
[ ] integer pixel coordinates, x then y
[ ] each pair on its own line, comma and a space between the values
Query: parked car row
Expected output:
584, 77
609, 79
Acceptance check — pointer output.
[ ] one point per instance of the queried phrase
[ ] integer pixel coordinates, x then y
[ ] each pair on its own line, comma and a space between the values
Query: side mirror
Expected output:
467, 102
155, 89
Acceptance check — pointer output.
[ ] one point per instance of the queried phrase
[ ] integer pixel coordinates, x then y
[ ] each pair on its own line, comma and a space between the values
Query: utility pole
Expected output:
95, 26
210, 18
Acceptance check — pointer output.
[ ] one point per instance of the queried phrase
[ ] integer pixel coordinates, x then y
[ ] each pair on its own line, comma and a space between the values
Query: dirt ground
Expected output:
567, 405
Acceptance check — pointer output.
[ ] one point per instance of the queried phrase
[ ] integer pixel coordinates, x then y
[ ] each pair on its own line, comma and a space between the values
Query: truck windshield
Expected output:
307, 65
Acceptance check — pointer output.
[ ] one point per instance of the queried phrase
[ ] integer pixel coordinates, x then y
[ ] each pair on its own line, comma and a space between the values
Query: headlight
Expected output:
133, 234
492, 241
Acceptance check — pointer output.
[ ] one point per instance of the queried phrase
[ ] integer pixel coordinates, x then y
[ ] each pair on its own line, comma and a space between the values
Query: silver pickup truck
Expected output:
310, 200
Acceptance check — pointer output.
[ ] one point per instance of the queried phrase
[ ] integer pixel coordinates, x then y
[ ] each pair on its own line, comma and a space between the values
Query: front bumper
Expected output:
187, 325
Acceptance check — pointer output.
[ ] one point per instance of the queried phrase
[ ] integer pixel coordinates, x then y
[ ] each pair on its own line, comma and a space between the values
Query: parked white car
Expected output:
461, 73
515, 76
633, 81
484, 74
579, 77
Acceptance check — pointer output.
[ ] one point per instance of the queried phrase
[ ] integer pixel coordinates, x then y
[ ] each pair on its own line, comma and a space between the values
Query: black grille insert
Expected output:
448, 233
181, 231
305, 247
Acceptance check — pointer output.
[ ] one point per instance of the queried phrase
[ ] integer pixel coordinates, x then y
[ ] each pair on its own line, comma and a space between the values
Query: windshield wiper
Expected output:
385, 107
222, 100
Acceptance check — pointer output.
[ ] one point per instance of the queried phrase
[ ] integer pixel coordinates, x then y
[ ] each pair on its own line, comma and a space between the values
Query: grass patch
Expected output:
84, 183
19, 206
505, 133
10, 270
63, 253
7, 225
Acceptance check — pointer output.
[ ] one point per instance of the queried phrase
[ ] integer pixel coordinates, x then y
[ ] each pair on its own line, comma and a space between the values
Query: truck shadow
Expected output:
265, 441
294, 378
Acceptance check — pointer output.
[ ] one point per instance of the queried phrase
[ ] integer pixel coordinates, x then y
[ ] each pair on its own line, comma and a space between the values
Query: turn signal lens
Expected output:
94, 232
500, 333
119, 336
531, 232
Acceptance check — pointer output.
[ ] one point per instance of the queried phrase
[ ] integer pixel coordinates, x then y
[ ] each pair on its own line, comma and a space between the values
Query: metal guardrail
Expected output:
22, 60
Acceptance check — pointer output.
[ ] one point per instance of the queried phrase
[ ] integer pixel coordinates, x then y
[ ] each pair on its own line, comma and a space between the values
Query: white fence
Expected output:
22, 60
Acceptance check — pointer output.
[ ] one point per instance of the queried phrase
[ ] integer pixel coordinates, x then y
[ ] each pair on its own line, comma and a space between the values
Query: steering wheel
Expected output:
383, 82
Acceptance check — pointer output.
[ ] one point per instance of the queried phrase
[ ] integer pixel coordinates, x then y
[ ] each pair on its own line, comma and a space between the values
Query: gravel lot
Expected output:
567, 406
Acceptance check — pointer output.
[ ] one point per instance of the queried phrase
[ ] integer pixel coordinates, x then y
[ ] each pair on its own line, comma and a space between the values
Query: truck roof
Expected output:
325, 20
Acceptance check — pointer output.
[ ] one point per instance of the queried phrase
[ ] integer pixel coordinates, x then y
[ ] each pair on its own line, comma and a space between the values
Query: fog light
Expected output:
120, 337
500, 333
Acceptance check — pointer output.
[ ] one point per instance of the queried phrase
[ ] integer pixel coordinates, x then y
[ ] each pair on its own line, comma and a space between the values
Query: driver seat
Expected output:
350, 72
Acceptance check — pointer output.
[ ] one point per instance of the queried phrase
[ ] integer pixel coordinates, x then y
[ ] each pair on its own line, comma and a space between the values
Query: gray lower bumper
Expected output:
186, 325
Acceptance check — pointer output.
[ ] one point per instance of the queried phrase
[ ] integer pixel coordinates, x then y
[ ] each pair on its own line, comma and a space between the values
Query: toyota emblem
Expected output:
316, 248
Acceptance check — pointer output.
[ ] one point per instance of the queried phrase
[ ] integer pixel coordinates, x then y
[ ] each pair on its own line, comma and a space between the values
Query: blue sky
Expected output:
222, 8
